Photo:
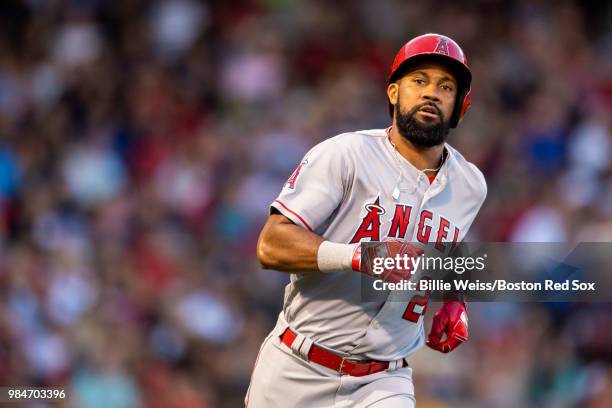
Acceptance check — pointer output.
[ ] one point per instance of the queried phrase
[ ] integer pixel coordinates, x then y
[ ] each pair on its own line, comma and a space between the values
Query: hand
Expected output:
386, 249
451, 320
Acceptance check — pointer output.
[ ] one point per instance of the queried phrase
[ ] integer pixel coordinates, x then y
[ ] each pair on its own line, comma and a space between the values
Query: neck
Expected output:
420, 157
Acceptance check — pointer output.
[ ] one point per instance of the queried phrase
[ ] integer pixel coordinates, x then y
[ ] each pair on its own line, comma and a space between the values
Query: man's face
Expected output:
423, 101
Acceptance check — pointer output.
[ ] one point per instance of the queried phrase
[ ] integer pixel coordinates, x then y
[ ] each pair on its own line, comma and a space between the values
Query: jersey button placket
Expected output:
430, 191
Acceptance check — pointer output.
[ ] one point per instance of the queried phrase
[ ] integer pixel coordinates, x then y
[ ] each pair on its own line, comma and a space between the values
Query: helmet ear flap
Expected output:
465, 105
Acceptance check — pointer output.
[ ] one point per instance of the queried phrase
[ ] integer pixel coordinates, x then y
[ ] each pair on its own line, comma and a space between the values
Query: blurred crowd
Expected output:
141, 143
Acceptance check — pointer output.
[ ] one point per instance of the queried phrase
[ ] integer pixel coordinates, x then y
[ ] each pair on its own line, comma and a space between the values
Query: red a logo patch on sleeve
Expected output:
293, 178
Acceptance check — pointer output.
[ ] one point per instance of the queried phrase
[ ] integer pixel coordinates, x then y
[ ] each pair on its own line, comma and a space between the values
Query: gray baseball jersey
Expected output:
356, 187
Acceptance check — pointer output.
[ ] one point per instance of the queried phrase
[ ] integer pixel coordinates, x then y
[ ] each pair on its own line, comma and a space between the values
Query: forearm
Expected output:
288, 247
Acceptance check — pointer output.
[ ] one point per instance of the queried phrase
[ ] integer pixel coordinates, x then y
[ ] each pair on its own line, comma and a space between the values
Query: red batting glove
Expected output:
451, 320
387, 249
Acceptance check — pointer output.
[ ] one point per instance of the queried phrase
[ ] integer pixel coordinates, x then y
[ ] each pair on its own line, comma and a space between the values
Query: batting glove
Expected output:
451, 320
387, 249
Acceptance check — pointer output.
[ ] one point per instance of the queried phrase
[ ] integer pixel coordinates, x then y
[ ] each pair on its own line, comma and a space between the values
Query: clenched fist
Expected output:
387, 249
451, 320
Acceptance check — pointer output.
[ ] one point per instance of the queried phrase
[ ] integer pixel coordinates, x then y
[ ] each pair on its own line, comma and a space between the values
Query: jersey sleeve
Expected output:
316, 187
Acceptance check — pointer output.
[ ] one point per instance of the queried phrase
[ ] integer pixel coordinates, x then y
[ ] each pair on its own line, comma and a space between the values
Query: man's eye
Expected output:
419, 81
447, 88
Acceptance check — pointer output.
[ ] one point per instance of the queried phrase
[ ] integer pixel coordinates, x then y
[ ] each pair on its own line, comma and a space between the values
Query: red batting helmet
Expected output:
440, 48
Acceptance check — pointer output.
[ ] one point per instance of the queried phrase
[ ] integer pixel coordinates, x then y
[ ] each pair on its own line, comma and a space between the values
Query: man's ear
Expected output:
393, 92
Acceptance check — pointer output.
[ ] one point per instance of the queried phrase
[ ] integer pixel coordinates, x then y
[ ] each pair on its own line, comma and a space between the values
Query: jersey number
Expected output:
417, 306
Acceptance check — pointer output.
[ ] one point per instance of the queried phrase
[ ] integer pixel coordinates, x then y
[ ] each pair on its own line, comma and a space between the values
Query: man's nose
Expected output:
431, 94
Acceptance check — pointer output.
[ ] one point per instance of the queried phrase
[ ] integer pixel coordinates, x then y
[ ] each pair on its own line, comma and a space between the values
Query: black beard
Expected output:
418, 133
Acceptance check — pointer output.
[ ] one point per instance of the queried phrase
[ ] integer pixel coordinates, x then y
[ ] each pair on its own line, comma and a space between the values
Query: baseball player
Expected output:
400, 185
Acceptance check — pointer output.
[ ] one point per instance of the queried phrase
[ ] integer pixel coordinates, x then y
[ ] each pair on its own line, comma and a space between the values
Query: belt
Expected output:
337, 363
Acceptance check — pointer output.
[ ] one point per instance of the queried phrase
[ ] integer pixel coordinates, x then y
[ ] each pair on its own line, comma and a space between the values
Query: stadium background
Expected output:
142, 141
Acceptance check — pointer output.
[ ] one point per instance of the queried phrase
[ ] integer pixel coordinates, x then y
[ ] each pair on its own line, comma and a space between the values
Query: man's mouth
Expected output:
429, 111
